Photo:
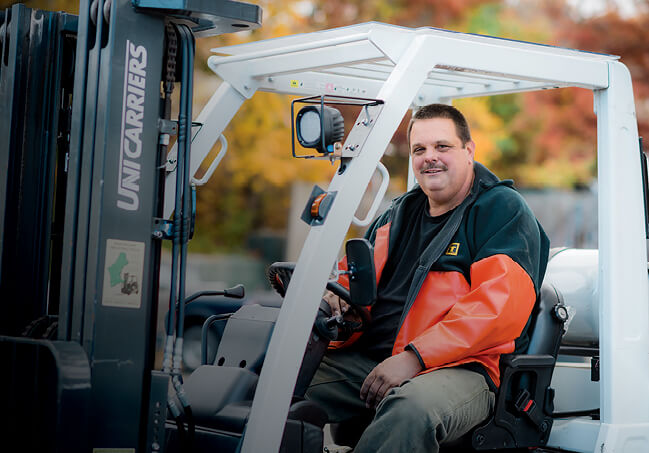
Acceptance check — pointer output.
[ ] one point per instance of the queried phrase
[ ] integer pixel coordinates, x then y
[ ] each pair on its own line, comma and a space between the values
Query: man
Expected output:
426, 367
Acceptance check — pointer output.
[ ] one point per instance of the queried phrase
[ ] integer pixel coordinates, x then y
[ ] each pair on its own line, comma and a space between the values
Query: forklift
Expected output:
90, 178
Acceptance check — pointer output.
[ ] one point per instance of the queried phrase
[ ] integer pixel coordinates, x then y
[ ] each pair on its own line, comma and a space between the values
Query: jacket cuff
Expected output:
411, 347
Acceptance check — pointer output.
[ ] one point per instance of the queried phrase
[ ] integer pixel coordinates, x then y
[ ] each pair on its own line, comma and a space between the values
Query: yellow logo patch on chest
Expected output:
453, 249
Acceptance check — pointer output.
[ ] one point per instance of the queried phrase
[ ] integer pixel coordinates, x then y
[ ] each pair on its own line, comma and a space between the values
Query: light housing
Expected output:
319, 127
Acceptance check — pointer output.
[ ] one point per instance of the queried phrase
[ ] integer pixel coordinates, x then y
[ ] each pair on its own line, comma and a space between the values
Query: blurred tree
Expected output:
625, 36
540, 139
409, 13
548, 138
476, 16
250, 190
555, 142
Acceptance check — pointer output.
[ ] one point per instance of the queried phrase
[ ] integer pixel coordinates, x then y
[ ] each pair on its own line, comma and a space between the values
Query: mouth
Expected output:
432, 171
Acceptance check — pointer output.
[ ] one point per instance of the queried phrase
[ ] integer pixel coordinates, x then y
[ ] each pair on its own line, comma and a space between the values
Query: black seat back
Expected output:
546, 329
524, 403
246, 338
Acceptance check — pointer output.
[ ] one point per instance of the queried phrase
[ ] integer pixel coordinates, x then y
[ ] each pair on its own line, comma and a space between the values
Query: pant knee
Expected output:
406, 411
400, 424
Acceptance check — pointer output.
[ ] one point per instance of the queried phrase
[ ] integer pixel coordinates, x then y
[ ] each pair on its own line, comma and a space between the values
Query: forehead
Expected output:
433, 129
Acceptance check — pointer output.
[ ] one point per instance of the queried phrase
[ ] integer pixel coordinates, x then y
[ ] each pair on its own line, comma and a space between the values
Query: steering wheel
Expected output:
279, 276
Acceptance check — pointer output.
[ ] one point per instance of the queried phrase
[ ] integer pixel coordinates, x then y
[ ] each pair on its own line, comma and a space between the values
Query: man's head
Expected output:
442, 155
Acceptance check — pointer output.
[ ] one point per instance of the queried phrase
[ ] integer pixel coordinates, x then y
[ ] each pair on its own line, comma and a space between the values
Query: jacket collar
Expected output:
483, 181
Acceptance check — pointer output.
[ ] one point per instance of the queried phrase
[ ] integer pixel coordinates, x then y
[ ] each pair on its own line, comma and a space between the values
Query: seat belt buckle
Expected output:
526, 405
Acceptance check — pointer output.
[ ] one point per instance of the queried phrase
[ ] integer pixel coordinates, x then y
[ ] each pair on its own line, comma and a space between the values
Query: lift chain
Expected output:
168, 127
172, 52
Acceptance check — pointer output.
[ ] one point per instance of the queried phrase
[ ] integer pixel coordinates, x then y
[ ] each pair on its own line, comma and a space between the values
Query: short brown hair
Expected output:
431, 111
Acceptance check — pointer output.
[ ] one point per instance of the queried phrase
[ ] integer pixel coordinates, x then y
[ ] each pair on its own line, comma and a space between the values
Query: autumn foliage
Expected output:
540, 139
543, 139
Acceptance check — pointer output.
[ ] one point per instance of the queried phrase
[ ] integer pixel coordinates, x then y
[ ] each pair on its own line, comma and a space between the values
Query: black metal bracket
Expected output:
162, 228
328, 99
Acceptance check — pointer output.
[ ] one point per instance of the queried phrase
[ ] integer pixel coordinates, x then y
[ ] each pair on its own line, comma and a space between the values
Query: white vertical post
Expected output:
288, 342
411, 181
624, 292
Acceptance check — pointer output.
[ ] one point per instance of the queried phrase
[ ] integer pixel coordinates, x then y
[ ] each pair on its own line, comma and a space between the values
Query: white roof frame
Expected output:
409, 67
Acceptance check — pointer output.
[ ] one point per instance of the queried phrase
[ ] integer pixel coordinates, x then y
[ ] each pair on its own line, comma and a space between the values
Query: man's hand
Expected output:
387, 374
337, 305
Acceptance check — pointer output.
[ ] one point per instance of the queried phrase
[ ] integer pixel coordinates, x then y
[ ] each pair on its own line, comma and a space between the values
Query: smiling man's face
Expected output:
442, 165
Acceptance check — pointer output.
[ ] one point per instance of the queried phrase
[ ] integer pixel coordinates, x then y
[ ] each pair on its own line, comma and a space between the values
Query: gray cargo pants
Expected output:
417, 416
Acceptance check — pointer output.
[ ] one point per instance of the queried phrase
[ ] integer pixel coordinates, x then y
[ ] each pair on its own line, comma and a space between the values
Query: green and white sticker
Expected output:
123, 272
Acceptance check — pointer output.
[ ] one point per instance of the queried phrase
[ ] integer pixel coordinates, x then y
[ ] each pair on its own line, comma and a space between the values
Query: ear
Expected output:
470, 147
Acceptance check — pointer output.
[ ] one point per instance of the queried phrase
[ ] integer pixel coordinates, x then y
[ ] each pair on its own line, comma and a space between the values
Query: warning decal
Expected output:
123, 271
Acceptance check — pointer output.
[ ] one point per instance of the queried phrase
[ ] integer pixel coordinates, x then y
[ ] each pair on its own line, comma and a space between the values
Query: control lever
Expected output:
323, 323
340, 323
332, 327
334, 321
236, 292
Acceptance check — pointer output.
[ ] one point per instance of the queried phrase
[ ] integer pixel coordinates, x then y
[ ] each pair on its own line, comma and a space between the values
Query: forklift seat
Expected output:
524, 402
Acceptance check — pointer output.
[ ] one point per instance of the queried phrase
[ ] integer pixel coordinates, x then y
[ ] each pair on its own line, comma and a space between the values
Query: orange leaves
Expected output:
540, 139
251, 187
410, 13
487, 129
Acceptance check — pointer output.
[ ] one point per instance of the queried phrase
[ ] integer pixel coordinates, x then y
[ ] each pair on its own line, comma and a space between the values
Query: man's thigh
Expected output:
451, 400
336, 386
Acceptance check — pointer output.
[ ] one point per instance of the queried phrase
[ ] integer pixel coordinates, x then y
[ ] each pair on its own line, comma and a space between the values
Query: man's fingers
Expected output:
375, 392
334, 303
380, 394
338, 306
335, 307
392, 372
366, 385
373, 386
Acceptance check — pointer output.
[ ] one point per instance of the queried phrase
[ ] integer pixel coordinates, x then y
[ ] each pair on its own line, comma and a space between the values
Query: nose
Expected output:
430, 155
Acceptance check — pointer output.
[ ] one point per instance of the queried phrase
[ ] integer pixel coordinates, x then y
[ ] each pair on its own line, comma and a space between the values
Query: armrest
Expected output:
527, 360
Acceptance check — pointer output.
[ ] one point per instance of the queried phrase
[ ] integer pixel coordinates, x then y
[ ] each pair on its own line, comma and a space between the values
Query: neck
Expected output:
437, 207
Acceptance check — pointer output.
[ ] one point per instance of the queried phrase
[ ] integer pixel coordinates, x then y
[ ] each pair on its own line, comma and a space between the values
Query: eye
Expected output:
418, 150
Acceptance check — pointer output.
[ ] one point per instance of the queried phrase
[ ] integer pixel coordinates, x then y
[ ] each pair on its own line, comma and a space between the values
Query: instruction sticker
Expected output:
123, 271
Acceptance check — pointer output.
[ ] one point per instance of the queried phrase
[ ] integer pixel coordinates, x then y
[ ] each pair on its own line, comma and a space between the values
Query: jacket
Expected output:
476, 300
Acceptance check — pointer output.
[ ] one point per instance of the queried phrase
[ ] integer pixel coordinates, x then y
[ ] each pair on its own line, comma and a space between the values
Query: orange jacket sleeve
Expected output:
486, 320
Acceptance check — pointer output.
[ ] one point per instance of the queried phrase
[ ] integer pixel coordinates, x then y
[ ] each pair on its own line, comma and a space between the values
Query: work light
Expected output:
319, 127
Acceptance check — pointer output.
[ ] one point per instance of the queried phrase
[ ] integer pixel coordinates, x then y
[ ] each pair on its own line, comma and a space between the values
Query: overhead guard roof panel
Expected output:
367, 54
366, 27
